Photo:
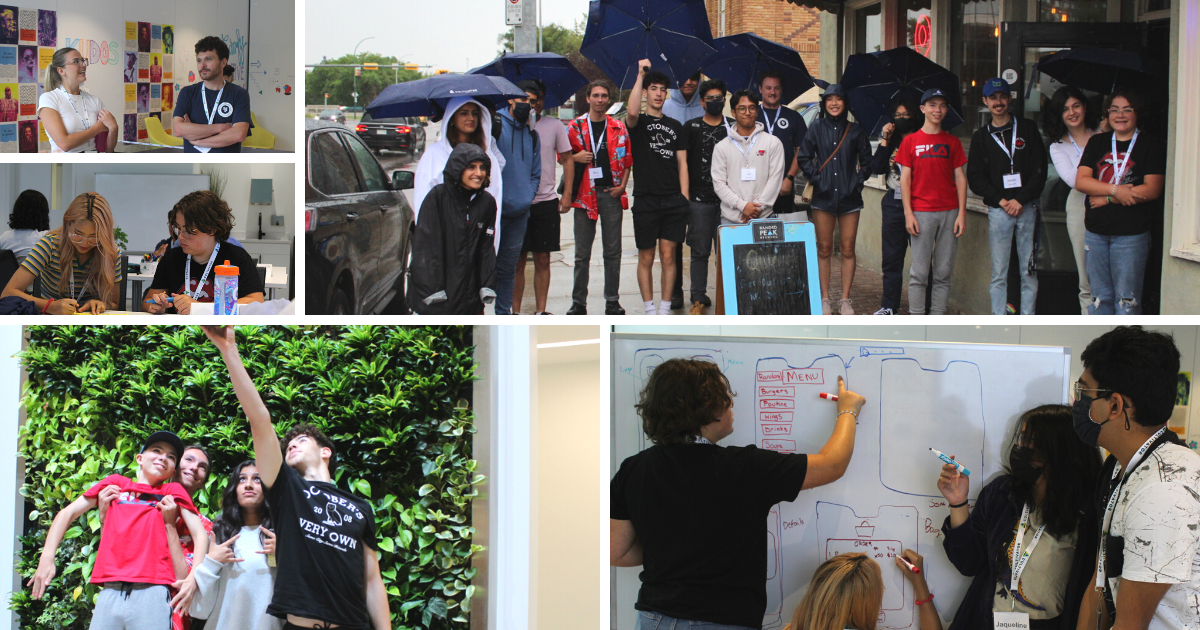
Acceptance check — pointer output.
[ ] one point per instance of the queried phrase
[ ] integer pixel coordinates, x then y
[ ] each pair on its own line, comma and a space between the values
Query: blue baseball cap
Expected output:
991, 86
933, 93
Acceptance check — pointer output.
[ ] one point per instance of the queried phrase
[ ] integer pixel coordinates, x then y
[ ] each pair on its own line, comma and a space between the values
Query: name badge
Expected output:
596, 173
748, 174
899, 194
1012, 180
1010, 620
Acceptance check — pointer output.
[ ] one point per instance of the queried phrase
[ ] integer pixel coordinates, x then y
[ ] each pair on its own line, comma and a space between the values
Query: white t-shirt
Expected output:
20, 241
86, 106
1157, 515
552, 138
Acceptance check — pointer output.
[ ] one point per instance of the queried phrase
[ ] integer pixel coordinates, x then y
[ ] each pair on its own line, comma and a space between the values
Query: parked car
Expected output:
335, 115
358, 226
405, 134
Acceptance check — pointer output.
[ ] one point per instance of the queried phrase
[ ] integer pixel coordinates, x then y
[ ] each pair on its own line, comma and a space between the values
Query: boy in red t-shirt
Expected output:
934, 189
140, 553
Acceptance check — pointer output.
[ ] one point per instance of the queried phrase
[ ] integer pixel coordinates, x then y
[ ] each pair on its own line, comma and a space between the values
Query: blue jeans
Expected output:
1116, 268
512, 238
657, 621
1001, 226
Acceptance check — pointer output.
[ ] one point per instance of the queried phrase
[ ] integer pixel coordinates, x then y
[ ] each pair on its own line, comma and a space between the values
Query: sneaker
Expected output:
697, 309
544, 313
884, 311
577, 309
612, 307
826, 307
677, 302
845, 307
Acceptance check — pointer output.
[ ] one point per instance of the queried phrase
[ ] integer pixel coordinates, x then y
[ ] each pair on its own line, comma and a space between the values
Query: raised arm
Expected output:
635, 96
266, 441
831, 462
58, 528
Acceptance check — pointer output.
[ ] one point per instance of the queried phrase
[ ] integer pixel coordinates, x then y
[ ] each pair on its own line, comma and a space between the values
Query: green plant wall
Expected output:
395, 401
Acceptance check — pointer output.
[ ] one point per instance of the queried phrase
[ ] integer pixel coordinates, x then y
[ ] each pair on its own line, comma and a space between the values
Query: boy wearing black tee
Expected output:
660, 185
700, 136
328, 562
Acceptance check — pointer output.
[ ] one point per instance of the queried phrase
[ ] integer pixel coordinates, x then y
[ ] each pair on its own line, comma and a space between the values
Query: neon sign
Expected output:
923, 35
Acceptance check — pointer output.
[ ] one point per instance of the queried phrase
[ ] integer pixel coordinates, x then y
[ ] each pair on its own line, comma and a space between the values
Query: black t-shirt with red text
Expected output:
1149, 157
169, 275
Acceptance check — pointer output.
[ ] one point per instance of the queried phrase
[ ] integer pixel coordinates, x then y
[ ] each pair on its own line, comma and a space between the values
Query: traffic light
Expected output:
370, 66
411, 67
442, 71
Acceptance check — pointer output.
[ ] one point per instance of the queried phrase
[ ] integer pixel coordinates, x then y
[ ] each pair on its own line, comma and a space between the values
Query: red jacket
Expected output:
620, 159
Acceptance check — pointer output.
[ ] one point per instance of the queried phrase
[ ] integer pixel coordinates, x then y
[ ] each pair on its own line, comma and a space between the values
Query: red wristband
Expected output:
918, 602
47, 306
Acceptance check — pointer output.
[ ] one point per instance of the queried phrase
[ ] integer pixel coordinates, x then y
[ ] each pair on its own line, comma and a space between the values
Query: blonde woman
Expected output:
72, 116
78, 273
846, 593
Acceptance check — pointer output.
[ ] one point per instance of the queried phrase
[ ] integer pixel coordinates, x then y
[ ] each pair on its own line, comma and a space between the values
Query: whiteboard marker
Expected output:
946, 458
911, 567
832, 397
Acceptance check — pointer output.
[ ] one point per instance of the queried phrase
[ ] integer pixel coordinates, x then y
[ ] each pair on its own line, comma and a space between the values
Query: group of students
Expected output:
1060, 540
290, 549
74, 118
78, 268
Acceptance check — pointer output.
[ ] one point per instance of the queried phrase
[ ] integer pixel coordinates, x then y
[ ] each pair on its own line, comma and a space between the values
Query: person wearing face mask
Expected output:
1029, 542
906, 118
1147, 574
664, 520
700, 136
522, 174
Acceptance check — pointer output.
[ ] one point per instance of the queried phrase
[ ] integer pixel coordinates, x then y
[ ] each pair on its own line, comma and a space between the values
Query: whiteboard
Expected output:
962, 399
140, 203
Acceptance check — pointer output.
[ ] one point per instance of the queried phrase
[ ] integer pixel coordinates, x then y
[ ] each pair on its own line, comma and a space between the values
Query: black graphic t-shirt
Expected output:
1149, 157
321, 533
699, 138
169, 275
655, 169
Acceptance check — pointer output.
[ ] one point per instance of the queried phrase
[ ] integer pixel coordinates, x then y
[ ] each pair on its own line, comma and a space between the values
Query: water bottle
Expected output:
225, 286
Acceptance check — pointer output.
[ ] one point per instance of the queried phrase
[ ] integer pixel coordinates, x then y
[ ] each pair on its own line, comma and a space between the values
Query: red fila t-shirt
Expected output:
932, 159
133, 542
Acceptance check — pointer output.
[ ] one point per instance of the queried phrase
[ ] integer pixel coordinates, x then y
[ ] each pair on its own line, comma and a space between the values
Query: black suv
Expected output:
405, 134
357, 226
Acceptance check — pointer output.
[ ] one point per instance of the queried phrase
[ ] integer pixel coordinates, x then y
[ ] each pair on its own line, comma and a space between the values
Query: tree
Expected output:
339, 82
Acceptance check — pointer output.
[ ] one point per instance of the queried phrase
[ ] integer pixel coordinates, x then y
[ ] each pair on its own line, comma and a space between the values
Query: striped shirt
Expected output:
42, 262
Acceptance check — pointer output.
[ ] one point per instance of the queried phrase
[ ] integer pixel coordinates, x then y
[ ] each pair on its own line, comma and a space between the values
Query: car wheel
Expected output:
339, 303
399, 304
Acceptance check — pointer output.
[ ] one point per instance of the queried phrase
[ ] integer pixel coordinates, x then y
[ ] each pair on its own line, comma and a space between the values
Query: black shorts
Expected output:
659, 217
541, 233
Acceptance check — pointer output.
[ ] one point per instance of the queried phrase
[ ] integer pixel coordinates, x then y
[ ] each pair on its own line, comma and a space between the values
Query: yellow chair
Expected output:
158, 135
258, 138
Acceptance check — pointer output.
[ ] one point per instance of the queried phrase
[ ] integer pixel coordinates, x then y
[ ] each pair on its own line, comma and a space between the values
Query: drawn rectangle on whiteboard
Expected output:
775, 416
769, 377
782, 390
777, 429
776, 403
786, 446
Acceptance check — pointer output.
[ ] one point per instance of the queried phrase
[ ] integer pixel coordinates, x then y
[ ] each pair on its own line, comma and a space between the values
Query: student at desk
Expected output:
201, 222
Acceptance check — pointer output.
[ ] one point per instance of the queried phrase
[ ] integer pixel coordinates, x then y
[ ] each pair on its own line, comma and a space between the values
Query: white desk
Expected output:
277, 278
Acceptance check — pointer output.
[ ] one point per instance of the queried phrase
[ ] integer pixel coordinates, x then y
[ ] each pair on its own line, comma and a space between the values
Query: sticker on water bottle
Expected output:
225, 288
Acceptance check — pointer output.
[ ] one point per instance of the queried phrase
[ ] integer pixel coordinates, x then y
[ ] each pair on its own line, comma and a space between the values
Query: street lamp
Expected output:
355, 55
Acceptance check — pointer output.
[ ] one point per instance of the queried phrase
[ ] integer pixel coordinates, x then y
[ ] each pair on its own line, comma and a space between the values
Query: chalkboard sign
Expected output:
770, 268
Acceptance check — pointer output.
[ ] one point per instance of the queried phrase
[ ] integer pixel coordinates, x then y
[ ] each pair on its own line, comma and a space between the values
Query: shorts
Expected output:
541, 233
659, 217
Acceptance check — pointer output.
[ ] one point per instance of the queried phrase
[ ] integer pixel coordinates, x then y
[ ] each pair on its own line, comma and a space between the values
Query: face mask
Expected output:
1020, 462
714, 108
1085, 428
521, 112
904, 125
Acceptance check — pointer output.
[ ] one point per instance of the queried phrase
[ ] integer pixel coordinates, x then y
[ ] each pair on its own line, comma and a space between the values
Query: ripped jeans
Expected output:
1116, 268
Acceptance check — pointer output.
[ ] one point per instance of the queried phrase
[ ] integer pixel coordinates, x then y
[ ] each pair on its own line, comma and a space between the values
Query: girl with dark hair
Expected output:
465, 120
1070, 124
906, 118
29, 222
237, 578
1030, 540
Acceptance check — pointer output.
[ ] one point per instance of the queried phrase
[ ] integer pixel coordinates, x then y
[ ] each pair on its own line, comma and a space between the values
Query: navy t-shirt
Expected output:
233, 108
788, 125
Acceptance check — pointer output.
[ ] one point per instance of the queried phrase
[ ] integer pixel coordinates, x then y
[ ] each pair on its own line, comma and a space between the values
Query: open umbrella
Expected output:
561, 77
741, 58
673, 34
428, 97
1100, 70
875, 81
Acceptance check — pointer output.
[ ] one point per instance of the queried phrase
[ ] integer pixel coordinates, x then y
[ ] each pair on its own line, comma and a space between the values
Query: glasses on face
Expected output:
190, 231
81, 62
1080, 387
1113, 111
82, 239
746, 109
900, 116
713, 99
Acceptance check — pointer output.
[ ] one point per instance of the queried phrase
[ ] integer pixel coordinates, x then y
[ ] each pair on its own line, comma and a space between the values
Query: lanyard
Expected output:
1012, 154
1019, 560
1078, 152
1112, 503
76, 296
216, 101
767, 118
702, 440
187, 274
1121, 165
82, 117
597, 144
746, 152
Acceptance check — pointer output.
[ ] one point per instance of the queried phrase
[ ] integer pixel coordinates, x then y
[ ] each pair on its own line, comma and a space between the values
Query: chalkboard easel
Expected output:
769, 267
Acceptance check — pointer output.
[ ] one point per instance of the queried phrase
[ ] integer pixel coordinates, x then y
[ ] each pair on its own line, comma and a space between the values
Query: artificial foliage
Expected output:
394, 400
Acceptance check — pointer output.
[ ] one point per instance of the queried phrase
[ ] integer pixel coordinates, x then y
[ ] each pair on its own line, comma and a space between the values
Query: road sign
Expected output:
512, 12
358, 72
355, 94
370, 66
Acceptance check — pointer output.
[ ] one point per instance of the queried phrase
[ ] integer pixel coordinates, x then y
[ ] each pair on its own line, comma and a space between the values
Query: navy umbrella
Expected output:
1100, 70
428, 97
673, 34
741, 58
561, 77
875, 81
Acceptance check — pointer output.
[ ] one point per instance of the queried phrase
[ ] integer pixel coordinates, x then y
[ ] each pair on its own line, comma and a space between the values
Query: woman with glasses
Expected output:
1122, 173
201, 221
1071, 123
1029, 543
79, 273
73, 117
906, 118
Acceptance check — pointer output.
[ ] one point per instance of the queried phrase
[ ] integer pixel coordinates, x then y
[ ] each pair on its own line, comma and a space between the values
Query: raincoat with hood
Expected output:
683, 109
838, 187
522, 172
453, 266
433, 161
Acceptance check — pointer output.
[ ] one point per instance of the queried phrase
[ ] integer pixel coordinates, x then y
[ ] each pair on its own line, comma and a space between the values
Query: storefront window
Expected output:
919, 31
868, 29
1073, 10
1151, 6
975, 55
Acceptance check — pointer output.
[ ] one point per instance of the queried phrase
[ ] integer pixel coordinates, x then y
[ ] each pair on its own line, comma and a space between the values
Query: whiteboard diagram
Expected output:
959, 398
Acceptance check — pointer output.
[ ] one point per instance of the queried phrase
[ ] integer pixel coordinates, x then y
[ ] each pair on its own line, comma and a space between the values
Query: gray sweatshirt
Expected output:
235, 596
761, 151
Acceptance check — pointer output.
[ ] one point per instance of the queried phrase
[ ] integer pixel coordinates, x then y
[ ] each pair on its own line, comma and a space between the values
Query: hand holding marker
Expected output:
950, 460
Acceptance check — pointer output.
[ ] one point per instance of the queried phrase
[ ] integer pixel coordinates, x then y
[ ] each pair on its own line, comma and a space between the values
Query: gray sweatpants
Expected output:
935, 244
122, 606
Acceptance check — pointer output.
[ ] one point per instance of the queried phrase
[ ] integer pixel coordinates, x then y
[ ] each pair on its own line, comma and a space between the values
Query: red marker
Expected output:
832, 397
912, 567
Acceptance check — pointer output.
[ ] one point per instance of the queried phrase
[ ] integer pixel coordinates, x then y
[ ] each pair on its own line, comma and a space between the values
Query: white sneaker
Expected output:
826, 307
845, 307
884, 311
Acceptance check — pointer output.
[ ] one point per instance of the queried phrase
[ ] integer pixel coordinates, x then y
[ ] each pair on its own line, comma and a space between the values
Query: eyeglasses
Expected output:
189, 230
79, 238
901, 116
746, 109
1080, 387
82, 62
713, 99
1121, 110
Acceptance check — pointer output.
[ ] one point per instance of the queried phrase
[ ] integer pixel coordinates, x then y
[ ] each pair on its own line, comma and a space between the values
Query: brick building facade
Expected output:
783, 22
